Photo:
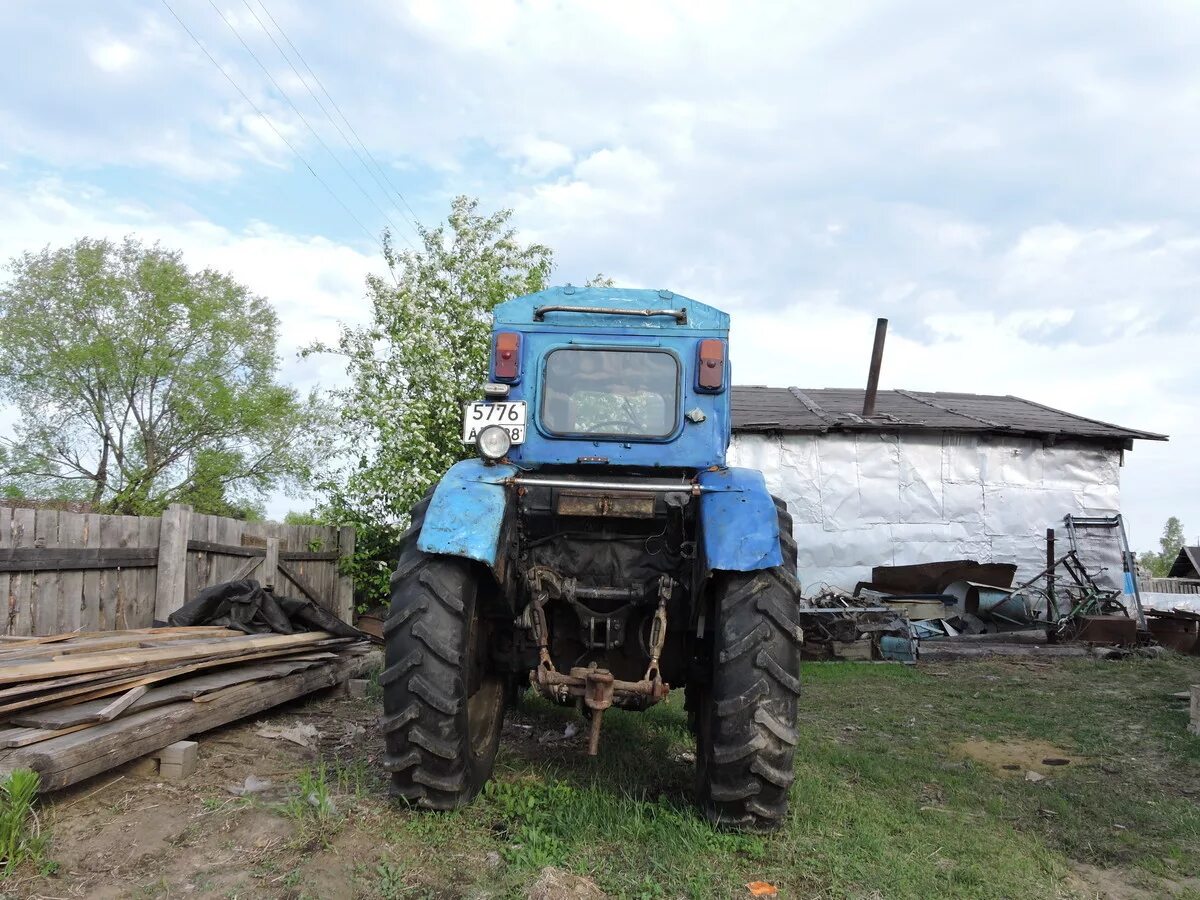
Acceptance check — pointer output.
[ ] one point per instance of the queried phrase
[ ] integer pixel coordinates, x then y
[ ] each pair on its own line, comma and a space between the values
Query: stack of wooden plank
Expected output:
73, 705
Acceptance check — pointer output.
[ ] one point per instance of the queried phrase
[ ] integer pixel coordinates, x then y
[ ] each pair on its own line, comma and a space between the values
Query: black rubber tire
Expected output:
787, 540
442, 709
746, 717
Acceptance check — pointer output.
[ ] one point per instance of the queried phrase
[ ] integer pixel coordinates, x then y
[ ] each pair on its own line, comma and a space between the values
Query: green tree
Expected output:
1171, 542
411, 369
139, 383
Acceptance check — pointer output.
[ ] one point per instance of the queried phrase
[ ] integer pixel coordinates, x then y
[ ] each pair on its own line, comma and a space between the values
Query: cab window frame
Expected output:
674, 403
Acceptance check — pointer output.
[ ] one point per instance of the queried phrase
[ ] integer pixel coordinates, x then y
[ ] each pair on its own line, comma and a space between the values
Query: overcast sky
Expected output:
1015, 186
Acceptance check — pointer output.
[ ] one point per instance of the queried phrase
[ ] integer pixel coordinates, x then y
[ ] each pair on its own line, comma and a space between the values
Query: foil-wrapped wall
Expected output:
864, 500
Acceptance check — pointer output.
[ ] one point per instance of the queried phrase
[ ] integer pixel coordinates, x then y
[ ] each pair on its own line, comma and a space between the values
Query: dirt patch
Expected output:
1086, 880
1092, 881
1015, 757
558, 884
128, 833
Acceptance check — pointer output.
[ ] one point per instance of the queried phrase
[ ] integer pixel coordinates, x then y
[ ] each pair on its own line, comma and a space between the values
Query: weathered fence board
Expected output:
45, 594
71, 581
147, 579
7, 599
21, 589
171, 589
1169, 585
89, 600
65, 571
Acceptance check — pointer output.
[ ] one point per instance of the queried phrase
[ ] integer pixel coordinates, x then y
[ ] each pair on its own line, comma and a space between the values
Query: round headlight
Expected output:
493, 442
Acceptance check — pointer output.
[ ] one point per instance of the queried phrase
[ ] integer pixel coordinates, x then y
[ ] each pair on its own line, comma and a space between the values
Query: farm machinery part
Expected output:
595, 688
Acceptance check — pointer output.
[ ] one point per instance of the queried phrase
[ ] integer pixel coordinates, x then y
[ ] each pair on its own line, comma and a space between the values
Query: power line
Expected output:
297, 111
328, 115
353, 131
279, 134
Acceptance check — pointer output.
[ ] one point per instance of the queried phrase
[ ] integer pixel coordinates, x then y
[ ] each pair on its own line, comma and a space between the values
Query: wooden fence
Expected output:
66, 571
1169, 585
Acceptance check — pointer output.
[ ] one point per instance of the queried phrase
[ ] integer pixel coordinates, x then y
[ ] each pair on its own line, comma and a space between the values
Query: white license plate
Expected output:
508, 414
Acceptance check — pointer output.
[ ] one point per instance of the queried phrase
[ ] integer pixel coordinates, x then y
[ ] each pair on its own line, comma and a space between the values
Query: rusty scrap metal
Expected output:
594, 503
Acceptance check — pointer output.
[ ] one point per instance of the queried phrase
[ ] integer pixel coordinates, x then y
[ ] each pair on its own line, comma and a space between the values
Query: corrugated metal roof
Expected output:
757, 408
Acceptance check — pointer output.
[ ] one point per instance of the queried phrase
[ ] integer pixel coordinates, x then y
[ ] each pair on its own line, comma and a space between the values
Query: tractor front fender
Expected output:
467, 512
739, 521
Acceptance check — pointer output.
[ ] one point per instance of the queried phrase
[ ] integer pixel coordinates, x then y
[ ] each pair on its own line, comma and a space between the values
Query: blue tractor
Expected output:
600, 551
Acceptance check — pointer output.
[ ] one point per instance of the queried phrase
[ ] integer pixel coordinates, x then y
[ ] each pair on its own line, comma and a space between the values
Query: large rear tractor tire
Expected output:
443, 708
746, 716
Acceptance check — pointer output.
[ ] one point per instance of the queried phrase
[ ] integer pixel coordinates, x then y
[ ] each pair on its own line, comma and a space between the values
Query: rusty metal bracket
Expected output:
598, 690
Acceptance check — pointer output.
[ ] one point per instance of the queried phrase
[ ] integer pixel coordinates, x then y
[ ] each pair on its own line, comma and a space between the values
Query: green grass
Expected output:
883, 802
20, 837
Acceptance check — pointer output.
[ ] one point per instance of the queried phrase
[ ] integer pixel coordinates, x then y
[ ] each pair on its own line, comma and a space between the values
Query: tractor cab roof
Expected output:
611, 309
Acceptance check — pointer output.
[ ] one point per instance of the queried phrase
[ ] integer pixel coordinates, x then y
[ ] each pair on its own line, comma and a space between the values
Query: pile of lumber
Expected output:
73, 705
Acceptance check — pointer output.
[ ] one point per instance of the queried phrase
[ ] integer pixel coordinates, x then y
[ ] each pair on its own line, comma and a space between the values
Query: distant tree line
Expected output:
1171, 542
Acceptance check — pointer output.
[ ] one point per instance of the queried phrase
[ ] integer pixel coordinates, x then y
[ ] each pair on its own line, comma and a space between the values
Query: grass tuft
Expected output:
20, 837
312, 800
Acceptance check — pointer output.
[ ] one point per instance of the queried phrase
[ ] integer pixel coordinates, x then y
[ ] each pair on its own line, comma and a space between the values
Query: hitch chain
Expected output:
596, 687
658, 627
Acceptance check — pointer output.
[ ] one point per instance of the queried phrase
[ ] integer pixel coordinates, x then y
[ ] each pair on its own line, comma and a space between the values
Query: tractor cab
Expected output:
604, 377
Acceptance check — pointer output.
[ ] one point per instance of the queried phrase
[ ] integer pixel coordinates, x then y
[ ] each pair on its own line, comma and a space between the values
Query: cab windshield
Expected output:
632, 393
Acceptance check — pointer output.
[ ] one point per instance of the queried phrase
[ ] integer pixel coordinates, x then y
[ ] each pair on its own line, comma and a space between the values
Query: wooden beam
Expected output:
118, 641
224, 549
107, 660
23, 737
246, 568
270, 568
106, 686
186, 688
122, 703
305, 588
345, 583
306, 556
68, 759
65, 559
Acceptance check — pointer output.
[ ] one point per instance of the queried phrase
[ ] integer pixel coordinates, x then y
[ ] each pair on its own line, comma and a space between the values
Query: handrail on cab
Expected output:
679, 315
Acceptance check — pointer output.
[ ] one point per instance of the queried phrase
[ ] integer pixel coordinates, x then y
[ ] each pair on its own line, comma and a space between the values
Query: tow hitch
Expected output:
595, 687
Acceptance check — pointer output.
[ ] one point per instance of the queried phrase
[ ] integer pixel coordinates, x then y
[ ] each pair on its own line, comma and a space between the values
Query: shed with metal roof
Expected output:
929, 476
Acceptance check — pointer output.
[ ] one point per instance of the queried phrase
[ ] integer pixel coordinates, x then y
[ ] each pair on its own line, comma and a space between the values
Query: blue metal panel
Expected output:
739, 521
466, 512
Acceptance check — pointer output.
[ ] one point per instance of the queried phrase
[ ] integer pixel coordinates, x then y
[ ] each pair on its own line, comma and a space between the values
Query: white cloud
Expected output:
112, 56
540, 157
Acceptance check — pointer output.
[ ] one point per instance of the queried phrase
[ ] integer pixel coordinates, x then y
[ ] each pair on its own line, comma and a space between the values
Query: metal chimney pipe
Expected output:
876, 364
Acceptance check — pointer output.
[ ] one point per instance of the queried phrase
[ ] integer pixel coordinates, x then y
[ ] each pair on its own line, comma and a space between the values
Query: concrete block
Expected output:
178, 760
357, 687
